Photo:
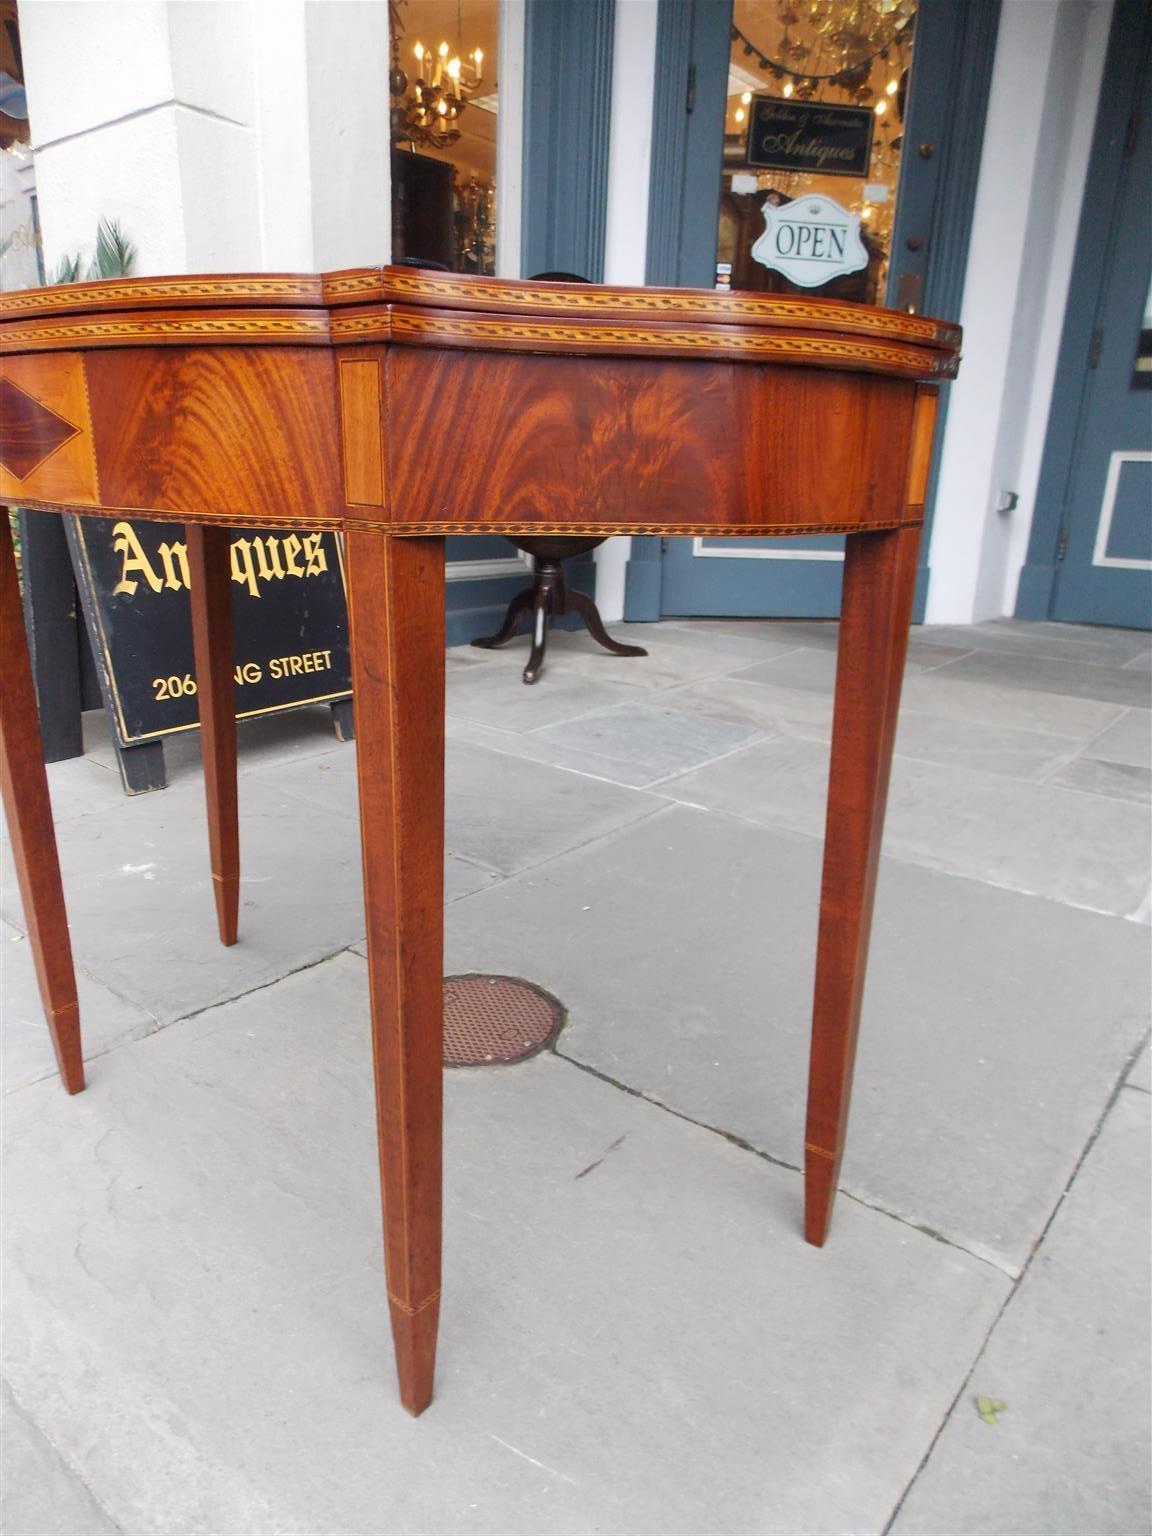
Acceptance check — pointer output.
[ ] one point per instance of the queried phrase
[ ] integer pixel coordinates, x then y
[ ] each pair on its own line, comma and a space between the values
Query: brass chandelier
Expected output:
426, 109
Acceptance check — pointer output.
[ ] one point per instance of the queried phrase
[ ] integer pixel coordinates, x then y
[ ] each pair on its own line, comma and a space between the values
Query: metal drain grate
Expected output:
491, 1019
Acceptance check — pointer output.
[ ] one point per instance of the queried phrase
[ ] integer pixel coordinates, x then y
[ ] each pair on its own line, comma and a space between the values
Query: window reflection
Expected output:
445, 58
789, 57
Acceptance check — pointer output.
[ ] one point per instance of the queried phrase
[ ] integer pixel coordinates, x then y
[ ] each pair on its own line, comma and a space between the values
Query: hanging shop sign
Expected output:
290, 624
816, 136
810, 241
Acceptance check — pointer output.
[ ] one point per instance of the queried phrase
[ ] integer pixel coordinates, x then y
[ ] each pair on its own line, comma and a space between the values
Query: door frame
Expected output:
1128, 57
692, 53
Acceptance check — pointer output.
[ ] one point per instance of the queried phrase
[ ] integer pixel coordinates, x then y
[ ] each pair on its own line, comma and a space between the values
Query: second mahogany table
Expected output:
400, 407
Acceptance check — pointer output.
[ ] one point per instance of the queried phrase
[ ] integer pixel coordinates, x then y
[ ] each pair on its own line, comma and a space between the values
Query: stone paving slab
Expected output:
673, 657
1140, 1077
1118, 781
495, 695
986, 1057
39, 1494
1044, 674
1040, 839
1071, 642
740, 643
1063, 642
502, 812
141, 910
636, 744
1070, 1359
815, 667
25, 1047
1000, 749
82, 786
1129, 740
635, 1338
287, 737
928, 646
943, 694
775, 711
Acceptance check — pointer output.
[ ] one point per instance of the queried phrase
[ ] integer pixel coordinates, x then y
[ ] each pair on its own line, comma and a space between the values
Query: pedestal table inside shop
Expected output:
401, 407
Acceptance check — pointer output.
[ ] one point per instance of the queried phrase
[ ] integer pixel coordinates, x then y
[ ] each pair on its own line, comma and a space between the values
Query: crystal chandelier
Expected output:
426, 108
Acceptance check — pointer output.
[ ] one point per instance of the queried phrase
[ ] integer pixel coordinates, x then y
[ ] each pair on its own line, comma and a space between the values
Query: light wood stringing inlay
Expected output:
390, 283
392, 324
295, 328
255, 289
361, 426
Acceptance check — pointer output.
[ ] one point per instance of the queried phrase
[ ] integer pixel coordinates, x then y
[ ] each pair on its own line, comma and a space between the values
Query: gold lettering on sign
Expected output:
261, 559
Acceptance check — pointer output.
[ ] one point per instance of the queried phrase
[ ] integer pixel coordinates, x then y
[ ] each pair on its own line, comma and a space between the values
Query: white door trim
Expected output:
477, 570
700, 553
1100, 555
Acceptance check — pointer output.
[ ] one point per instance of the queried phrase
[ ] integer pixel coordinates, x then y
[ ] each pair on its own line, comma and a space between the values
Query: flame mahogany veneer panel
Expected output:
230, 434
527, 444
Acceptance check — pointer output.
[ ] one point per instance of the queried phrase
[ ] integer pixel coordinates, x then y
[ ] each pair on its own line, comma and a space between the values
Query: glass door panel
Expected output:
813, 146
810, 176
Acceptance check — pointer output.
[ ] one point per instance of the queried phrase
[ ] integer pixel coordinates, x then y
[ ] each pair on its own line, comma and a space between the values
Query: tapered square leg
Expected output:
29, 814
210, 570
879, 585
396, 607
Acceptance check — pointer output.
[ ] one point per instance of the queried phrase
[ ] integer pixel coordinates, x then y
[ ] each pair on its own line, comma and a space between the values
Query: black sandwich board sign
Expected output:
819, 136
289, 618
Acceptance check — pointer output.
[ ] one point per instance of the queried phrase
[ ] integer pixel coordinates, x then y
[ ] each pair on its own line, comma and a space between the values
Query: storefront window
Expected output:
812, 145
445, 60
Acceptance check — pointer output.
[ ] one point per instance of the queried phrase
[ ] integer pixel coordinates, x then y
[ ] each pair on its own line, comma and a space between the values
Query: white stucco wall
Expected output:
626, 233
1070, 121
224, 135
1045, 88
348, 106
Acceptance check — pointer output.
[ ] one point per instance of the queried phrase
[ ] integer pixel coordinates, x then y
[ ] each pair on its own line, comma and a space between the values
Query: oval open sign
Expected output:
810, 241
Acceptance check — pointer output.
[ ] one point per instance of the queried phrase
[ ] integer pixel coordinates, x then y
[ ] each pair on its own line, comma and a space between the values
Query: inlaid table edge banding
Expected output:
513, 528
289, 439
377, 286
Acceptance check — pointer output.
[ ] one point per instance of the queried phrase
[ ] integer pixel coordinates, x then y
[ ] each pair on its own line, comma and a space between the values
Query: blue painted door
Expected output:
1104, 555
928, 93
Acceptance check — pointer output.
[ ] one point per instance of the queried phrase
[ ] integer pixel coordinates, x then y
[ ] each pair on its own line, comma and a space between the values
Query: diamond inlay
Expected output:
29, 430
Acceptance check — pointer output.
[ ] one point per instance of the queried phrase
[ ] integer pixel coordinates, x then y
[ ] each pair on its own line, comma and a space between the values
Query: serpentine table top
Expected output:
399, 406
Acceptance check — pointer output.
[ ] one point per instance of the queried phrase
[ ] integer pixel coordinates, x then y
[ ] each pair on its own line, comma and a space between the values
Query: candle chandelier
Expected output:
426, 108
828, 43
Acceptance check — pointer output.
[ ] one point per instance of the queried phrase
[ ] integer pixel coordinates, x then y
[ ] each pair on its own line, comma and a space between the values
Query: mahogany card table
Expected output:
398, 407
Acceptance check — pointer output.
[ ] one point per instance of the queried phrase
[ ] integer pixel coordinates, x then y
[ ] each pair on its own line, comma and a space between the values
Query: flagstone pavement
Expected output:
634, 1337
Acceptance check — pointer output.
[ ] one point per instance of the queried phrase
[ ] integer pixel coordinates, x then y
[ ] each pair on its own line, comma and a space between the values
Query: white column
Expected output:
223, 135
626, 235
510, 138
349, 131
1045, 86
281, 125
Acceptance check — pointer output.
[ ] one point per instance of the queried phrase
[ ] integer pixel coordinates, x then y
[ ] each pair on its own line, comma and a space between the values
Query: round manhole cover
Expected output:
491, 1019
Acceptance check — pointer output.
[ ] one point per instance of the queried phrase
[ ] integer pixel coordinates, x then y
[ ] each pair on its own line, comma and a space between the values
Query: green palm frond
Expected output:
115, 257
115, 254
67, 270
